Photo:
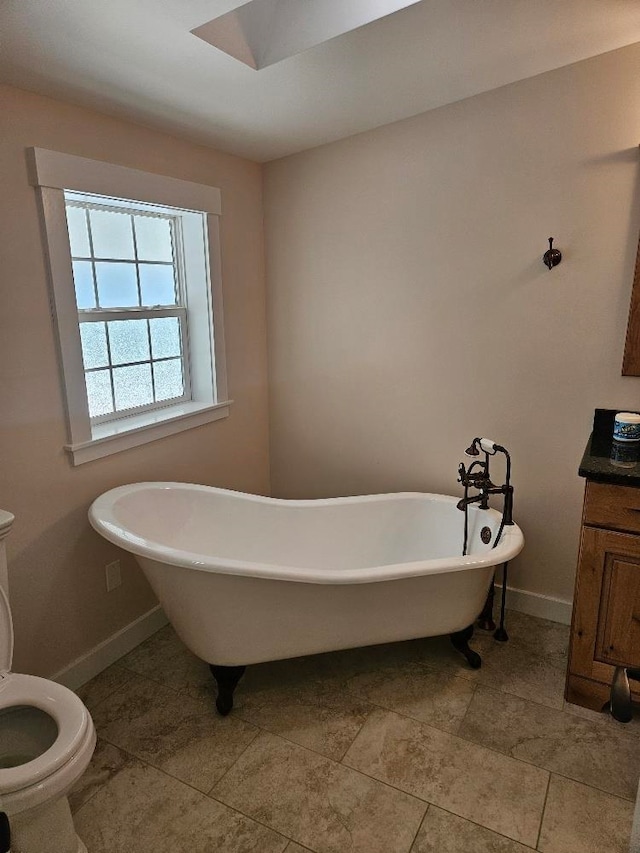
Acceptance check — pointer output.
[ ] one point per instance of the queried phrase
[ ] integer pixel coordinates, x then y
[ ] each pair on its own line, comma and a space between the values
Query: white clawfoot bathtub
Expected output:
245, 579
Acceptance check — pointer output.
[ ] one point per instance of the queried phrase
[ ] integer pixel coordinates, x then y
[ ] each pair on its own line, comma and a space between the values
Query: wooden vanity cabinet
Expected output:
605, 628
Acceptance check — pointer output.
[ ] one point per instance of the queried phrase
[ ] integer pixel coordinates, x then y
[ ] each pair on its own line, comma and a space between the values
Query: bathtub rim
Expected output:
102, 520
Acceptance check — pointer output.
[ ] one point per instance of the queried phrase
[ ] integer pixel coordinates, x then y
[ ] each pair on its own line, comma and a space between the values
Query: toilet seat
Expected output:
73, 721
47, 739
67, 711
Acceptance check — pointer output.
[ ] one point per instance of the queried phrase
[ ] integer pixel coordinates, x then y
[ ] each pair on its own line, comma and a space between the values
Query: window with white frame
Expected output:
131, 301
137, 301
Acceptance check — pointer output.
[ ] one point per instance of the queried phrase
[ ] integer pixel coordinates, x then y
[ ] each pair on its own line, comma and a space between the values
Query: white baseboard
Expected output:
536, 604
112, 649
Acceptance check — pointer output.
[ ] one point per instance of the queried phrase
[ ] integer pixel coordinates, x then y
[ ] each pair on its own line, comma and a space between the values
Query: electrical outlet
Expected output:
113, 575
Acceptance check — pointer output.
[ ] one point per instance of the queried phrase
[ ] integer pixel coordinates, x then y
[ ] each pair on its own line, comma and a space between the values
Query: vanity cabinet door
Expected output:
619, 624
605, 627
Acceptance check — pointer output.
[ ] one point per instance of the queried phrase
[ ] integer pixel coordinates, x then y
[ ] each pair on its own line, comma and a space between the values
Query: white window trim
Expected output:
52, 172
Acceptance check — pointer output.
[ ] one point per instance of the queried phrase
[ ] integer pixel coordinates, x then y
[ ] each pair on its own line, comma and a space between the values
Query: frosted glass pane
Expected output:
157, 285
168, 378
165, 337
78, 232
117, 285
112, 234
83, 281
99, 393
153, 239
129, 341
94, 345
132, 386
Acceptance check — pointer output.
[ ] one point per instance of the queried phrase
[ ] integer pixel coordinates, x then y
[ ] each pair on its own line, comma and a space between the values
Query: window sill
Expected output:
108, 438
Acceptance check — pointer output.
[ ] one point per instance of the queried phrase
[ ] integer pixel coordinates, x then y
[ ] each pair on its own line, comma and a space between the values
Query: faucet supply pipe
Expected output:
481, 480
5, 833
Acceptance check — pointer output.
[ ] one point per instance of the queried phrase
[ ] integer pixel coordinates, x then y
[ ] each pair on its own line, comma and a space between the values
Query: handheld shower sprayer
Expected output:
486, 445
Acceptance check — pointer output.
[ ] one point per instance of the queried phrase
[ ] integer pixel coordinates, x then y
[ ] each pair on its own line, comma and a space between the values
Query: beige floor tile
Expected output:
103, 686
318, 803
320, 715
142, 809
443, 832
585, 750
347, 663
290, 671
532, 664
504, 795
579, 819
167, 718
181, 735
435, 697
632, 728
165, 659
435, 652
351, 662
107, 761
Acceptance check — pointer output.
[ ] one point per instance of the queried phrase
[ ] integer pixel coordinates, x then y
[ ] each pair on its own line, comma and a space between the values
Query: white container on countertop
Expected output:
626, 426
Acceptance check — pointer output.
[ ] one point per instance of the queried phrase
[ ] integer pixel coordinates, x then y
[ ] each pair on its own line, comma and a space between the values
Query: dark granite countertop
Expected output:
601, 455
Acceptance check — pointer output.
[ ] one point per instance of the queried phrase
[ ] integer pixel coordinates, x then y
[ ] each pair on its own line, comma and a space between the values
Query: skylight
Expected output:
263, 32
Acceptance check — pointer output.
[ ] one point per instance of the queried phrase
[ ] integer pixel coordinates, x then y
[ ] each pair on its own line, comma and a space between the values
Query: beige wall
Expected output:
409, 310
56, 562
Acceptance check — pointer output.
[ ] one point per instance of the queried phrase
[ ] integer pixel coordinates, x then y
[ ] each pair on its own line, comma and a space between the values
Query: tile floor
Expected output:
388, 749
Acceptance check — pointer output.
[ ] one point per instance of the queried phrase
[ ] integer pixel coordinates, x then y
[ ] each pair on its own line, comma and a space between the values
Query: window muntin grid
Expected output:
129, 285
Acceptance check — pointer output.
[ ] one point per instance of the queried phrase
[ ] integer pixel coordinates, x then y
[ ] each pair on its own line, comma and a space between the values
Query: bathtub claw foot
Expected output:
460, 642
227, 678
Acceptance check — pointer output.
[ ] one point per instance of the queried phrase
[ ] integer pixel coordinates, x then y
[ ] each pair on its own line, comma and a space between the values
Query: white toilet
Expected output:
47, 739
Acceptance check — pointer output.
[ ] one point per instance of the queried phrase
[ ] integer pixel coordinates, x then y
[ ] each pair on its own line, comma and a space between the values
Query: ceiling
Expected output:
138, 59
